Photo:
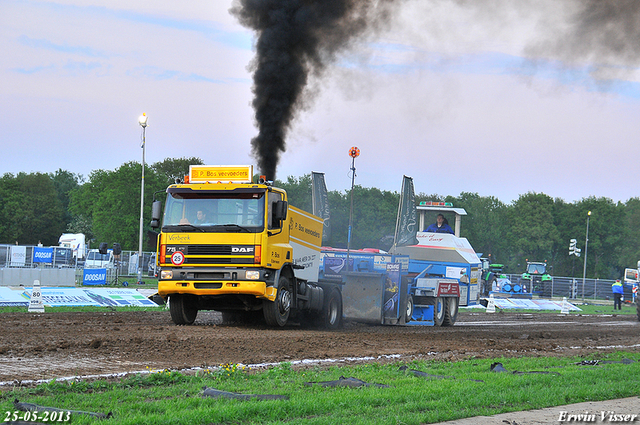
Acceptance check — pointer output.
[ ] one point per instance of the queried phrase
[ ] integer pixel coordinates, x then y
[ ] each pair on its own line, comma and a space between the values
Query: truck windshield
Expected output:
96, 256
214, 212
536, 269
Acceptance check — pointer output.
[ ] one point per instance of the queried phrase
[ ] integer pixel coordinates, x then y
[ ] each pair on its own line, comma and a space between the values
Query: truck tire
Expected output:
332, 309
439, 310
276, 313
451, 311
183, 309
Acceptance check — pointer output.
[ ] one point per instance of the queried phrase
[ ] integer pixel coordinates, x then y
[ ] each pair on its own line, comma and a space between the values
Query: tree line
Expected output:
105, 206
535, 227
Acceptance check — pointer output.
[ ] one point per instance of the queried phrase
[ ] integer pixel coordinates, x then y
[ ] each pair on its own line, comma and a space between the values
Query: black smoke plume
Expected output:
597, 32
296, 40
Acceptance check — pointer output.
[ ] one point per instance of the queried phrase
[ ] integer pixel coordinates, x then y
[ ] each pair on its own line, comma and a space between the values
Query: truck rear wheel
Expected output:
332, 309
451, 311
276, 313
183, 309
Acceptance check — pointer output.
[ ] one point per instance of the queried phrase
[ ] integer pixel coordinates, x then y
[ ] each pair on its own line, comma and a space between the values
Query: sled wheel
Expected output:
409, 312
439, 310
451, 311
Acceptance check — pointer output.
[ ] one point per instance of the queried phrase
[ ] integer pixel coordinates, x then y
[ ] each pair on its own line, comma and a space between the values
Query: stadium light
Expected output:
143, 123
586, 242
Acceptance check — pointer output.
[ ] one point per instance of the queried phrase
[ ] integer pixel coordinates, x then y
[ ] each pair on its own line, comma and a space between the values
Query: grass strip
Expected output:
447, 391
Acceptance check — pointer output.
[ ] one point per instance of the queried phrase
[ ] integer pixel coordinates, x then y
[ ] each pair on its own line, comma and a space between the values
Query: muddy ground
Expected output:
55, 345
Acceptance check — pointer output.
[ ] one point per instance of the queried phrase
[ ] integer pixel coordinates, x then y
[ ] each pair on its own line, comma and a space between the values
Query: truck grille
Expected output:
196, 255
218, 260
208, 250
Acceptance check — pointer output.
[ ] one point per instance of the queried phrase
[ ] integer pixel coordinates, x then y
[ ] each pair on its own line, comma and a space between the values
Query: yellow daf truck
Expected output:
235, 246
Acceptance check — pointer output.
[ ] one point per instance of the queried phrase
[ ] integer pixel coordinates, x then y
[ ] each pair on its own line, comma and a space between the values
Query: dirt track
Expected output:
43, 346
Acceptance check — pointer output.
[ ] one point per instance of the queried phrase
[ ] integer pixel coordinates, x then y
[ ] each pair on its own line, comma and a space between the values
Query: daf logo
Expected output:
242, 250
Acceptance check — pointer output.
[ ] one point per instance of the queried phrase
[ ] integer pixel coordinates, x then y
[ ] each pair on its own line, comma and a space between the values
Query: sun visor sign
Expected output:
220, 173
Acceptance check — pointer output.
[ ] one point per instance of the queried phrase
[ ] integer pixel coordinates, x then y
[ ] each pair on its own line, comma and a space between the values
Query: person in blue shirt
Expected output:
440, 226
618, 290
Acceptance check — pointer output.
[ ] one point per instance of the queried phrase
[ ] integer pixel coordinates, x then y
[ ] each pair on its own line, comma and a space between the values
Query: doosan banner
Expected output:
94, 277
42, 255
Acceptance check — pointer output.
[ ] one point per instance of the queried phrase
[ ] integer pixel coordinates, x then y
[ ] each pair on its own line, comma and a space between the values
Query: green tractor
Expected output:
492, 273
537, 279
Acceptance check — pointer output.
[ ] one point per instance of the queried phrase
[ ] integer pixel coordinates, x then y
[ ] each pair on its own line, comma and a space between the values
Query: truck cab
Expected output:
75, 241
96, 260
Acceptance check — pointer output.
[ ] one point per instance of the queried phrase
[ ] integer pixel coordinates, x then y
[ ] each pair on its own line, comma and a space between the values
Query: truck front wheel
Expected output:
183, 309
276, 313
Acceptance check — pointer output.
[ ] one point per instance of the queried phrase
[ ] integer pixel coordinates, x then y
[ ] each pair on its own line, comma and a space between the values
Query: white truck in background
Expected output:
98, 260
75, 241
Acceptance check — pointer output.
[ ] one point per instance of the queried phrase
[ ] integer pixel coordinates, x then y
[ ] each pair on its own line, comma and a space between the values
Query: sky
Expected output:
461, 96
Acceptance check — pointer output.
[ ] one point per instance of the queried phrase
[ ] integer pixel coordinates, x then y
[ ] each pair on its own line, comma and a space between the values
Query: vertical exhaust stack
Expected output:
296, 40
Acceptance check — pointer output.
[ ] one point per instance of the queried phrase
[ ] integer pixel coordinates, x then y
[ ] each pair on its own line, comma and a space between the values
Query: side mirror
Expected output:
156, 212
280, 210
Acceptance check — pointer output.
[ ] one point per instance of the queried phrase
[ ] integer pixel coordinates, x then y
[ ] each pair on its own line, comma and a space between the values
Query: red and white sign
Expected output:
177, 258
448, 288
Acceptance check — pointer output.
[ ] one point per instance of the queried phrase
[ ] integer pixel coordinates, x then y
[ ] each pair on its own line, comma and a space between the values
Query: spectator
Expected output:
617, 290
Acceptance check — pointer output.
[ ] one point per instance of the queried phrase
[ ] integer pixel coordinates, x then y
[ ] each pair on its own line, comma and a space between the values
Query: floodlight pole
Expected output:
586, 242
143, 122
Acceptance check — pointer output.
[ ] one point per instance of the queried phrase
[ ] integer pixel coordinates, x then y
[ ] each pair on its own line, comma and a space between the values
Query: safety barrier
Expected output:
575, 288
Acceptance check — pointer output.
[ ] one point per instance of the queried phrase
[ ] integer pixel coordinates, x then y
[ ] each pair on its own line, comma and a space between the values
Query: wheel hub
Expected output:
285, 301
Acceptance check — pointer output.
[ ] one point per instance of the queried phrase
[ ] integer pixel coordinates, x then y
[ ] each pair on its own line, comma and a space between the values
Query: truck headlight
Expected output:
166, 274
252, 275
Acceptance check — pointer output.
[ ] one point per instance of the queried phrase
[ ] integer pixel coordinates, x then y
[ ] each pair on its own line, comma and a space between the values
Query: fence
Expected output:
578, 289
19, 260
126, 267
